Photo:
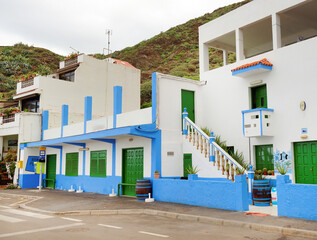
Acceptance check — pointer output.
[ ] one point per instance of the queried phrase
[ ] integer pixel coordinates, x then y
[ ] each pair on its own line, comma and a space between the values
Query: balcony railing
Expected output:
257, 122
27, 83
71, 61
8, 118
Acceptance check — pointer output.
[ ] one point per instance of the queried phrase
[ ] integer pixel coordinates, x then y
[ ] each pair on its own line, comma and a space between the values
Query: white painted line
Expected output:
154, 234
109, 226
72, 219
28, 214
4, 207
10, 219
40, 230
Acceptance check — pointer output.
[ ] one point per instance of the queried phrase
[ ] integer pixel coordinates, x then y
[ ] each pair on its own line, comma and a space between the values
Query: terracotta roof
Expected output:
117, 61
264, 61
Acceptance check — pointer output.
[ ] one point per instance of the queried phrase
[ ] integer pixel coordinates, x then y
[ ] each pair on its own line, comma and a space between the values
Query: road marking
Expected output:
10, 219
28, 214
72, 219
40, 230
109, 226
154, 234
5, 207
24, 200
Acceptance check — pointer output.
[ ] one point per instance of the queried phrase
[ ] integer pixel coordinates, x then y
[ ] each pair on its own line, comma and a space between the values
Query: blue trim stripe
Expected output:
260, 65
154, 96
64, 118
117, 103
45, 117
88, 111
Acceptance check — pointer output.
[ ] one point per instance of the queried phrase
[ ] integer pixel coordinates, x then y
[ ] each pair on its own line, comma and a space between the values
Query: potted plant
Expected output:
281, 168
264, 171
157, 174
192, 172
240, 171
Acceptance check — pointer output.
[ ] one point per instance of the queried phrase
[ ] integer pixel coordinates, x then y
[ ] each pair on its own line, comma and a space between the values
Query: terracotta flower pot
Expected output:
156, 175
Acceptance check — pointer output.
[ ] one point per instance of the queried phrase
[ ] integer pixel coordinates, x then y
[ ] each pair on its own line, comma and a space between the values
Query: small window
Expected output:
71, 164
31, 104
98, 164
68, 76
230, 150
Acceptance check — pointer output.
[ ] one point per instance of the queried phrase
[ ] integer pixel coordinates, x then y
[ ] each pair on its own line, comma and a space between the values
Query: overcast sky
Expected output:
81, 24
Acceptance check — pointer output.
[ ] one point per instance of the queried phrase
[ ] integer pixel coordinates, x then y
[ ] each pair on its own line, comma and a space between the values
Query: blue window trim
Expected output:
117, 103
260, 65
64, 118
258, 109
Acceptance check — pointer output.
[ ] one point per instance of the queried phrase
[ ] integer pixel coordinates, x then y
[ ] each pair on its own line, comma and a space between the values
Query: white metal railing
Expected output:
210, 148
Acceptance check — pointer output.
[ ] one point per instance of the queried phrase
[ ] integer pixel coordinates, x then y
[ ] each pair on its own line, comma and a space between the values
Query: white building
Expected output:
262, 105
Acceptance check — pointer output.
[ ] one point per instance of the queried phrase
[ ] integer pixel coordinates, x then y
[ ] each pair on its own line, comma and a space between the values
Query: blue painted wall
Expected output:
296, 200
101, 185
29, 180
214, 194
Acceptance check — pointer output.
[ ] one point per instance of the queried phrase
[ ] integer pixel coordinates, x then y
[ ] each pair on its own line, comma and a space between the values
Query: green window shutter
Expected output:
187, 162
98, 163
71, 164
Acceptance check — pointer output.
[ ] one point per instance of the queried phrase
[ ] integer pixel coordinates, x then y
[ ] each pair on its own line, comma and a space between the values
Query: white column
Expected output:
225, 57
276, 31
204, 57
239, 45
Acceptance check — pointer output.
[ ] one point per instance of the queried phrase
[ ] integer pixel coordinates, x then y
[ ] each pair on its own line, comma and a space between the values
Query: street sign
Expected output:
42, 154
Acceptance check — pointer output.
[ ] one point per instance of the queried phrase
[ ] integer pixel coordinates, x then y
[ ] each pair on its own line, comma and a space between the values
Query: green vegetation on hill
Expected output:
22, 59
174, 52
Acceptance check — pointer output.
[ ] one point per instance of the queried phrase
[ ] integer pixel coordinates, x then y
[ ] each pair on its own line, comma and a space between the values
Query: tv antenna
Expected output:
108, 32
74, 49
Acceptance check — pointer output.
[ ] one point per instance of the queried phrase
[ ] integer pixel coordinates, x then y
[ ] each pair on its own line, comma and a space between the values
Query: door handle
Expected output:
311, 169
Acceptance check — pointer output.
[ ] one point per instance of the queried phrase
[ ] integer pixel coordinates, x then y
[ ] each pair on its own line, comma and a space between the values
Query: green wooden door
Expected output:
98, 163
51, 170
264, 157
188, 102
305, 162
71, 164
132, 169
187, 162
259, 97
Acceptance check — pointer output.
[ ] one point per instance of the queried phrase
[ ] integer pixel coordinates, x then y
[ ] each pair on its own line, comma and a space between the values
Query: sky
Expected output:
59, 25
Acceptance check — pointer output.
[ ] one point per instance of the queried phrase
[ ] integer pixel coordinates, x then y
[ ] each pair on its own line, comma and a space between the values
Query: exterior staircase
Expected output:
218, 159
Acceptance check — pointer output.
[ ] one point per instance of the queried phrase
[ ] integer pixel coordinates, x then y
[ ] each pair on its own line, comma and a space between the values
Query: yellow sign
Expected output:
20, 164
42, 148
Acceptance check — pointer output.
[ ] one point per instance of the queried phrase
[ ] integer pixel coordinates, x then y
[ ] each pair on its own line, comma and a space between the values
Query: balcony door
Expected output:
258, 97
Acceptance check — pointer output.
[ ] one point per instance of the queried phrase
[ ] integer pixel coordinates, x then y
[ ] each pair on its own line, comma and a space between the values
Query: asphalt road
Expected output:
19, 224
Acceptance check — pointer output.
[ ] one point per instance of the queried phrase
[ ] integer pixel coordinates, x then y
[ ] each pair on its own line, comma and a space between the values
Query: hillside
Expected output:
172, 52
22, 59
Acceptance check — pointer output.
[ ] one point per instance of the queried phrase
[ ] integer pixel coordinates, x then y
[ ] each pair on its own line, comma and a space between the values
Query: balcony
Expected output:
27, 86
257, 122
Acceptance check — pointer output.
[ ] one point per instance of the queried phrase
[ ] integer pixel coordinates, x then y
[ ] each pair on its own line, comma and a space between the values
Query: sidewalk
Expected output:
62, 202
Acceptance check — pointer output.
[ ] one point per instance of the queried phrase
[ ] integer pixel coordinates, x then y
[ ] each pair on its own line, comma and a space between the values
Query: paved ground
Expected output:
54, 201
